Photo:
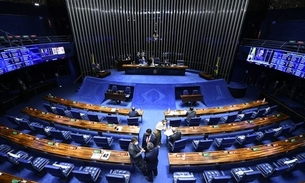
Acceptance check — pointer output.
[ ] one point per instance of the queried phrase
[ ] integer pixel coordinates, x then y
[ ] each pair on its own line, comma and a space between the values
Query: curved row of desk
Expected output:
90, 107
65, 150
134, 130
82, 124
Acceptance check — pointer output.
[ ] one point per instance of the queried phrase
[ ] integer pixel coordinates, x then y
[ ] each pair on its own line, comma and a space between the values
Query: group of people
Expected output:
145, 157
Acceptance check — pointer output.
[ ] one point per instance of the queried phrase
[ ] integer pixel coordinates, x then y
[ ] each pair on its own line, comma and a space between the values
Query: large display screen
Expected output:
16, 58
285, 61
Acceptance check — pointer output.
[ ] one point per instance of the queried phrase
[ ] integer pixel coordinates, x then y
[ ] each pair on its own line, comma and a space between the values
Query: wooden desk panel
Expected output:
63, 150
116, 96
216, 110
90, 107
154, 70
237, 155
79, 123
232, 127
7, 178
191, 98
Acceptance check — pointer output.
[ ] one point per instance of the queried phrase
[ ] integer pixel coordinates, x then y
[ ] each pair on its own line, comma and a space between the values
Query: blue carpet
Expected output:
216, 93
92, 91
154, 95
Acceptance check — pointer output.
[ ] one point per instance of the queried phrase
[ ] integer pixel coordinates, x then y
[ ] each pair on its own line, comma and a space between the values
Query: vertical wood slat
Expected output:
197, 31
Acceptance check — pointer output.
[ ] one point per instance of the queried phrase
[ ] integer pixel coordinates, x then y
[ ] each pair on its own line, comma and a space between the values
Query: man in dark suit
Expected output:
148, 136
175, 136
133, 112
135, 153
151, 159
190, 114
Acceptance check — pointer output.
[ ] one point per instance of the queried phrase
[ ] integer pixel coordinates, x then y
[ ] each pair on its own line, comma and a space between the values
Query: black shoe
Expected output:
149, 179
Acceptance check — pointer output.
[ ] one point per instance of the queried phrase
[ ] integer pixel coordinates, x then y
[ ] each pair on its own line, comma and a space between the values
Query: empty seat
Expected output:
286, 161
133, 121
296, 126
49, 108
270, 110
113, 119
300, 156
77, 114
203, 144
214, 120
26, 124
61, 170
177, 145
186, 177
246, 139
87, 174
104, 142
245, 116
60, 134
127, 91
124, 143
118, 176
282, 130
267, 134
82, 139
193, 122
14, 157
44, 130
185, 92
268, 170
63, 112
114, 89
12, 119
5, 148
259, 113
34, 164
228, 118
243, 174
223, 143
195, 92
175, 122
94, 117
215, 176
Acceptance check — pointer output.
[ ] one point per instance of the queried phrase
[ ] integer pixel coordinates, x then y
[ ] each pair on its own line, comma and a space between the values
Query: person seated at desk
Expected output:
175, 136
190, 114
133, 112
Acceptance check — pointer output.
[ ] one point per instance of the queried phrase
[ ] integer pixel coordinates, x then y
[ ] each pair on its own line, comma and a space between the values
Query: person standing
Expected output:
23, 90
135, 153
151, 159
161, 125
148, 136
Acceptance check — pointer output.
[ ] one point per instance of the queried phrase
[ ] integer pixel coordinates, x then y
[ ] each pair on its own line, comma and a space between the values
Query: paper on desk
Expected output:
168, 132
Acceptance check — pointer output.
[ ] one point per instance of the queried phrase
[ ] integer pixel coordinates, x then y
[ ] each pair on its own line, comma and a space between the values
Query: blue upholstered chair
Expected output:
60, 134
124, 143
269, 170
215, 176
87, 174
104, 142
246, 139
133, 121
127, 91
283, 130
223, 143
94, 117
61, 170
14, 157
247, 115
267, 134
175, 122
287, 161
77, 114
114, 89
49, 108
299, 165
259, 113
118, 176
296, 126
200, 145
185, 92
63, 112
12, 119
214, 120
5, 148
300, 156
270, 110
82, 139
177, 145
44, 130
113, 119
34, 164
184, 177
228, 118
193, 121
243, 174
195, 92
26, 124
